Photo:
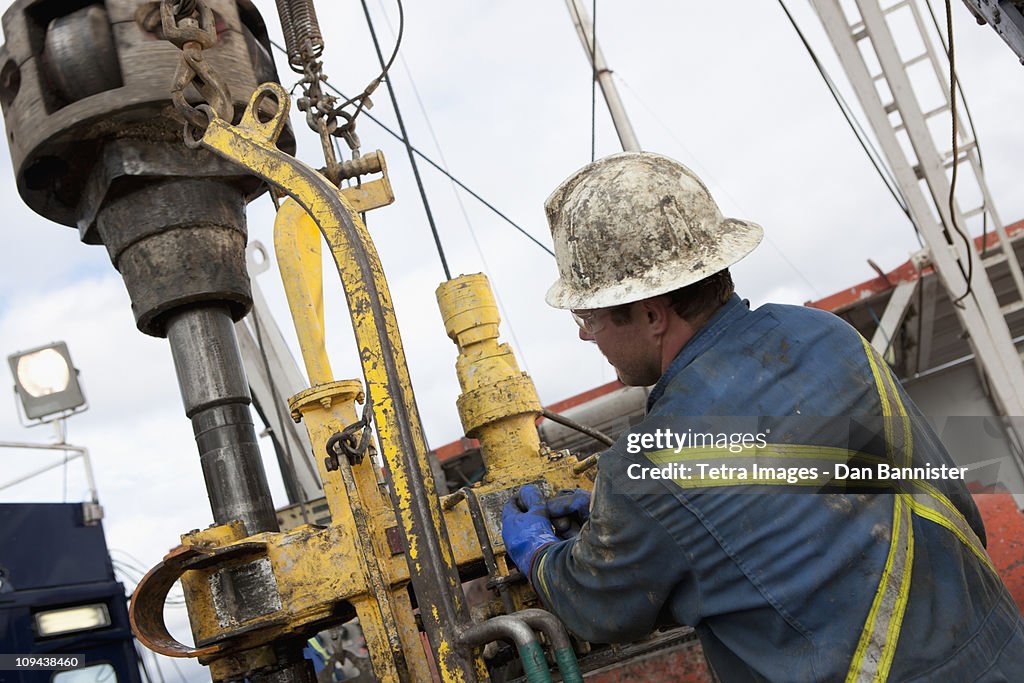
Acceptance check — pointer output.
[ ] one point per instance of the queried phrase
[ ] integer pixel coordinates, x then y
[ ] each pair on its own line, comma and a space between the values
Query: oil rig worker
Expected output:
727, 508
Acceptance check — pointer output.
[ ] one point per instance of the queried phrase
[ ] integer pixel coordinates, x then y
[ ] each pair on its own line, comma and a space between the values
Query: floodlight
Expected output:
46, 381
71, 620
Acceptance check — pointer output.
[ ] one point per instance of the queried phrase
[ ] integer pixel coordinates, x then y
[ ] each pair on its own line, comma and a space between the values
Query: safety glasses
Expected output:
591, 321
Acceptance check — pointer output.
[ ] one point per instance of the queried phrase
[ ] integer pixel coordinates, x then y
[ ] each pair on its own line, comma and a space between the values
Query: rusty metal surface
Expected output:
672, 656
680, 664
178, 242
431, 564
55, 142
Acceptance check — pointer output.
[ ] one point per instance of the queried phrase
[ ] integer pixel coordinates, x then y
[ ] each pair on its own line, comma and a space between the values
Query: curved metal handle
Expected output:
146, 611
432, 569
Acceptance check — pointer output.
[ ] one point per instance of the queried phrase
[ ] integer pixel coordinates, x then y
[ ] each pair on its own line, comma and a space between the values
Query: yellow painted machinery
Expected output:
389, 529
97, 144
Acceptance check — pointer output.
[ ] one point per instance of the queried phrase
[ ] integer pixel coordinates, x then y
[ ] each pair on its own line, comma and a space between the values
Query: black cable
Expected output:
385, 68
959, 86
858, 131
970, 123
458, 199
956, 152
593, 81
408, 147
437, 167
595, 434
458, 182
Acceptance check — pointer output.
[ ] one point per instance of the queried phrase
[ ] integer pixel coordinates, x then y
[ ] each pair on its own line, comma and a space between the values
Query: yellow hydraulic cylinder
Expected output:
499, 404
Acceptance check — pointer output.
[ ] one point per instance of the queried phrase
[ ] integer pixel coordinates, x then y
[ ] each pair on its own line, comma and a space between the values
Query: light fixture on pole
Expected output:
47, 382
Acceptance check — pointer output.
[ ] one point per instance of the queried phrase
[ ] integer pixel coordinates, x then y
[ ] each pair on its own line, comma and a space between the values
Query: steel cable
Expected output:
408, 145
858, 131
436, 166
969, 275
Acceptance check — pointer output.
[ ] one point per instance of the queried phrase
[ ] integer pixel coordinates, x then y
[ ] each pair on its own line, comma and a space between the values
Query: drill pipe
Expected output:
216, 397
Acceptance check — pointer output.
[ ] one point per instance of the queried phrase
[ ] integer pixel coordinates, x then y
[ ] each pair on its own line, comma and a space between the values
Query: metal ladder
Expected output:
891, 91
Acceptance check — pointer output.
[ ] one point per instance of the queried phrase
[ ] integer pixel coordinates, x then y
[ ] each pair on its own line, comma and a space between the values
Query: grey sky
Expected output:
726, 88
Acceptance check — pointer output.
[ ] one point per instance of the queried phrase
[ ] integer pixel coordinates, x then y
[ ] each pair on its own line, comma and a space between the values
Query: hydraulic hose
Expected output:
515, 629
565, 657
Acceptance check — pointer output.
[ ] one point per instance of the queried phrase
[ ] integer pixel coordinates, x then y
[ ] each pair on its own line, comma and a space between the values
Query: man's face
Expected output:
629, 346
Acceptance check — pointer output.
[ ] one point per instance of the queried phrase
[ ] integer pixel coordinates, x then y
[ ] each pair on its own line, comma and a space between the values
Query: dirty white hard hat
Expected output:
636, 225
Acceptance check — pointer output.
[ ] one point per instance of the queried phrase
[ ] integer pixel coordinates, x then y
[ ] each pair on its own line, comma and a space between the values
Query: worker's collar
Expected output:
705, 337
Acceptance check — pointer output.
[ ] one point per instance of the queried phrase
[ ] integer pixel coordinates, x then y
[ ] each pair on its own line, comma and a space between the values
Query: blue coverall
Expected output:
788, 583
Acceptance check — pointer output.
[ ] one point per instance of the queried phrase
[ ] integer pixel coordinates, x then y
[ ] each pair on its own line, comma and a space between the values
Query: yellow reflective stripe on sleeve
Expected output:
883, 399
545, 593
908, 431
934, 506
877, 645
773, 450
899, 443
930, 504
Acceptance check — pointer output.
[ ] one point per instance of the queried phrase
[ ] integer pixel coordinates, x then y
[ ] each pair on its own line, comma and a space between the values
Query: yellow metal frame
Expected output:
359, 563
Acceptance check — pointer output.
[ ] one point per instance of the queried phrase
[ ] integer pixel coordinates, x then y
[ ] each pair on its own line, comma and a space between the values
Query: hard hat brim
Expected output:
738, 239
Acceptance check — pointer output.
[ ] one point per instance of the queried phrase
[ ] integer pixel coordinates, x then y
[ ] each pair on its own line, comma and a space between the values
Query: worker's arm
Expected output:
611, 582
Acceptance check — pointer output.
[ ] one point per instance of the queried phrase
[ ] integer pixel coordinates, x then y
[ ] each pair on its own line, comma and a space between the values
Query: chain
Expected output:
345, 443
190, 25
184, 8
324, 115
321, 114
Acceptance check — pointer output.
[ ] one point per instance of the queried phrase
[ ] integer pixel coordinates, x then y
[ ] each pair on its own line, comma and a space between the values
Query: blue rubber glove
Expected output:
525, 526
570, 502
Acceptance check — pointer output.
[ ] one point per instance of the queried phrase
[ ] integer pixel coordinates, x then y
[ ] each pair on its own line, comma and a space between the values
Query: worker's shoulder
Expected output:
804, 314
802, 322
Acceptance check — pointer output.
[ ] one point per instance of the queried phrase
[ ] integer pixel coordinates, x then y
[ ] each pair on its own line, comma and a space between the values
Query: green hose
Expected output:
568, 666
534, 664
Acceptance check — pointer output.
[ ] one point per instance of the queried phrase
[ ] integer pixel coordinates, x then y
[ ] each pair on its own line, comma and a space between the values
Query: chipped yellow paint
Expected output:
316, 568
297, 245
447, 675
499, 403
251, 145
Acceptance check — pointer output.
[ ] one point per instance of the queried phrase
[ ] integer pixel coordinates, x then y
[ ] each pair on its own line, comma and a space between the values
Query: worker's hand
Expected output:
525, 526
570, 502
568, 510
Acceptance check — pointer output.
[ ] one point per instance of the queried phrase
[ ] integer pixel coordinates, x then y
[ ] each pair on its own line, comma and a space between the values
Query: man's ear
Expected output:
656, 312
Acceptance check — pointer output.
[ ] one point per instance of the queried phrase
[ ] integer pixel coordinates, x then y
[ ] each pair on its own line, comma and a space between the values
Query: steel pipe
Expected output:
512, 628
216, 398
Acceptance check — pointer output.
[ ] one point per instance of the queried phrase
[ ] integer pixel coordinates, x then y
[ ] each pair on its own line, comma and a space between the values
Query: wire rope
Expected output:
408, 146
873, 155
439, 168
